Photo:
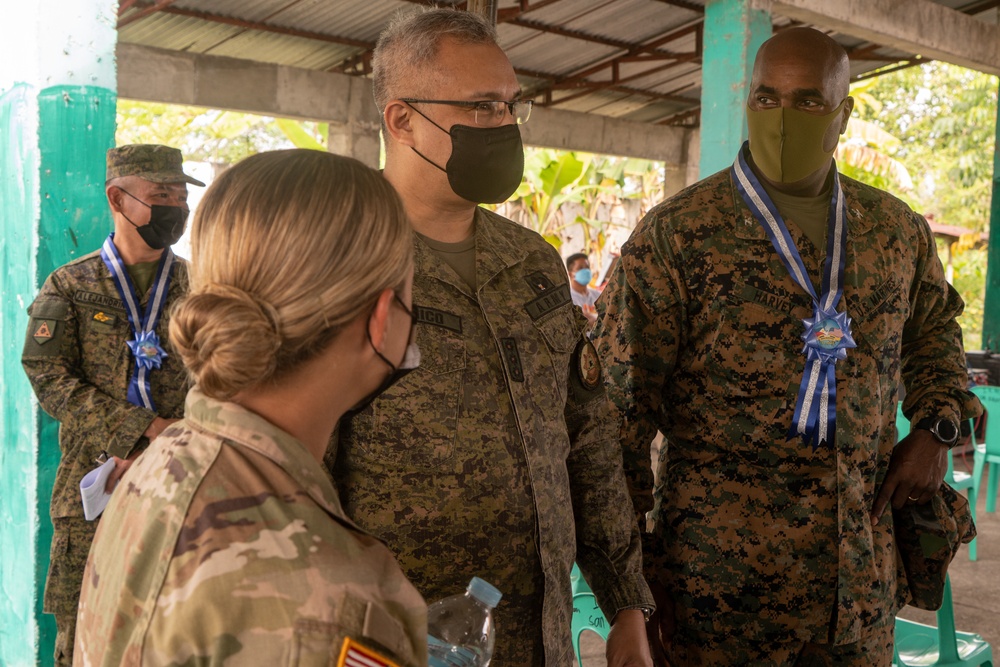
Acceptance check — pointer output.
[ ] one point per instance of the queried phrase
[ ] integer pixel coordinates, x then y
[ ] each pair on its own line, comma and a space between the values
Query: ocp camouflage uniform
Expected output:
494, 458
79, 365
700, 329
228, 545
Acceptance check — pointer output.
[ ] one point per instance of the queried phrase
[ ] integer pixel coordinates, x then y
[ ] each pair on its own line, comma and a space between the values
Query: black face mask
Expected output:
410, 362
165, 227
486, 163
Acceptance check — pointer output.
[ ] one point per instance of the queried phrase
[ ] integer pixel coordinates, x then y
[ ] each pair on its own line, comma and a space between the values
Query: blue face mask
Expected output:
583, 276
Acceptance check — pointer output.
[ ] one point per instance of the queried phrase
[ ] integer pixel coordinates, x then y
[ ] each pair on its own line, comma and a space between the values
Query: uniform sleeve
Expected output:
637, 335
607, 534
933, 358
51, 360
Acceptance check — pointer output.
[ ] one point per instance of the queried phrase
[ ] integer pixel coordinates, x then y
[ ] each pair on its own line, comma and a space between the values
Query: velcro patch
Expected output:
438, 318
104, 318
43, 330
353, 654
548, 301
513, 359
101, 300
539, 282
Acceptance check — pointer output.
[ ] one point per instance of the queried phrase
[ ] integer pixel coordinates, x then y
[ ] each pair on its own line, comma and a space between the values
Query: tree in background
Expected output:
562, 191
218, 137
944, 119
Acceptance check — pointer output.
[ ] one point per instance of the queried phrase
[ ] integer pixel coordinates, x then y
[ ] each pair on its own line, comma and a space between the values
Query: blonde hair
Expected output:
287, 248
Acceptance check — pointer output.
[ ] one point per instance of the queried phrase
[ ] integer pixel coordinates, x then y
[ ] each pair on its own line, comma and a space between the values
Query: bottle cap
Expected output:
485, 592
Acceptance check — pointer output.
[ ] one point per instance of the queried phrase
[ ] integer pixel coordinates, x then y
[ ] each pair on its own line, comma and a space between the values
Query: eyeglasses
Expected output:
487, 113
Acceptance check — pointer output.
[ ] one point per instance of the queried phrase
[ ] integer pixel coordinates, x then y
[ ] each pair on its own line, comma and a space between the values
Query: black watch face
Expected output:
947, 430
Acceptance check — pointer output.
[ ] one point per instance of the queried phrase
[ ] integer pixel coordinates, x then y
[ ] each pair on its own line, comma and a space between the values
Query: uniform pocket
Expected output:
361, 625
748, 357
416, 420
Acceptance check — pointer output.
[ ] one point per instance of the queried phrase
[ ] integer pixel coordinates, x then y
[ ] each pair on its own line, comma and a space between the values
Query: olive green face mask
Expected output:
787, 144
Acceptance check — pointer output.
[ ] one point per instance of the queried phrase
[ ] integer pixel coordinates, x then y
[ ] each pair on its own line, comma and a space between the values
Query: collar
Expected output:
247, 429
496, 252
858, 222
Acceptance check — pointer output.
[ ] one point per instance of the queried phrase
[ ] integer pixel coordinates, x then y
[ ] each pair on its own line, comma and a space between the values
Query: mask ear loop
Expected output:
435, 125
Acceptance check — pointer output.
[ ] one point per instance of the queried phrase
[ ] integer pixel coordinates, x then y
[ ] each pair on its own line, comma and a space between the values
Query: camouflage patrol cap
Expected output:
150, 162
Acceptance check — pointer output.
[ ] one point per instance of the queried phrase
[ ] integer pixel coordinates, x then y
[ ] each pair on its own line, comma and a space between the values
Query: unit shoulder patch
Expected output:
588, 365
43, 331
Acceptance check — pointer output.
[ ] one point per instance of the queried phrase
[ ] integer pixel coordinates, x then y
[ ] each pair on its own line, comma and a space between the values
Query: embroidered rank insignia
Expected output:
104, 318
353, 654
589, 366
44, 331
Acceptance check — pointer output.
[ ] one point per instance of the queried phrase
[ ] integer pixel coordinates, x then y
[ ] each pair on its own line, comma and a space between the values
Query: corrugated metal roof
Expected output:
567, 52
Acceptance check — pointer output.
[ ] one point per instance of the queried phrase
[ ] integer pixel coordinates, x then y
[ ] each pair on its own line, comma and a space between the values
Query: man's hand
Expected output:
916, 470
156, 427
660, 627
121, 465
627, 645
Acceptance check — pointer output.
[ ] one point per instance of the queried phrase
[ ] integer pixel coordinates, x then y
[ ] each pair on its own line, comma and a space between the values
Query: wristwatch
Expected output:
943, 428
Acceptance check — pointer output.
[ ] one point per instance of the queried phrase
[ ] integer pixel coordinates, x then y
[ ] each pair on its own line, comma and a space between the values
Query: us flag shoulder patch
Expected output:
353, 654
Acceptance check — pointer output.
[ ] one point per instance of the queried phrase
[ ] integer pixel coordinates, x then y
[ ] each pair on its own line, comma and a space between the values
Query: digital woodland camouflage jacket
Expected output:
759, 535
226, 542
494, 458
78, 362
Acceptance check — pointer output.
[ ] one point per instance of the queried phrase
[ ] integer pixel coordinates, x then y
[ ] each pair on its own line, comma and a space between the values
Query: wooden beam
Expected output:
922, 27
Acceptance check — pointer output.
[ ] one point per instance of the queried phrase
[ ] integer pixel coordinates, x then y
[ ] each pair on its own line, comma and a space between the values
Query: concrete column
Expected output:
733, 32
358, 135
991, 301
57, 119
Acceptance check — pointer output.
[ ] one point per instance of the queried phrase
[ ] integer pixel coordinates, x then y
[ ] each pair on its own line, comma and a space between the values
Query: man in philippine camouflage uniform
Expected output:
97, 357
496, 457
773, 538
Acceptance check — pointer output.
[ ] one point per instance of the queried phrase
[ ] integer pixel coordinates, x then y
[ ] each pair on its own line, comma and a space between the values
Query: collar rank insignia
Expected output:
44, 332
353, 654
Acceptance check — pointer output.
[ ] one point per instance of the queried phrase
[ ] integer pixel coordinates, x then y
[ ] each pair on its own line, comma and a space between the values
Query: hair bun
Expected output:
227, 338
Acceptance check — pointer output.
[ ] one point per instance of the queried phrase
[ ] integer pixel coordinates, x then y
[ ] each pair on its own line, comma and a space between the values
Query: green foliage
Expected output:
211, 135
944, 117
554, 178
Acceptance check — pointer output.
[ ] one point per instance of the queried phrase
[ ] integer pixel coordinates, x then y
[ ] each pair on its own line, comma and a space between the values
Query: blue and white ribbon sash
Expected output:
145, 346
827, 334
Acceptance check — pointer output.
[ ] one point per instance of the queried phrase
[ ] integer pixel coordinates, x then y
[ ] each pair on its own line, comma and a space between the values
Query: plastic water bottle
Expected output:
460, 630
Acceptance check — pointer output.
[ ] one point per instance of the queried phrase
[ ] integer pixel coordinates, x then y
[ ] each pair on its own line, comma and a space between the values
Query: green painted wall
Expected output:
53, 210
991, 302
732, 34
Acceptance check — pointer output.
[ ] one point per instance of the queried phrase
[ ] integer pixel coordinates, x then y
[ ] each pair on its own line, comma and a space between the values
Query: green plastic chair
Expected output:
919, 645
990, 398
957, 479
587, 615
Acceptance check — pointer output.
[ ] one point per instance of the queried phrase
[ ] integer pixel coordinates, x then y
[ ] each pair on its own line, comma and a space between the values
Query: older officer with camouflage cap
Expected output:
496, 457
774, 541
97, 356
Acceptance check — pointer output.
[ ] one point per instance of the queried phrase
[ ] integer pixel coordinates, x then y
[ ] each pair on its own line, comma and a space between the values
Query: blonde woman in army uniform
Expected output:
227, 541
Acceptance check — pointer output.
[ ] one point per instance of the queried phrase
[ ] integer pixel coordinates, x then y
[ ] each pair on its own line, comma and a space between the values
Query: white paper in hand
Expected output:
95, 499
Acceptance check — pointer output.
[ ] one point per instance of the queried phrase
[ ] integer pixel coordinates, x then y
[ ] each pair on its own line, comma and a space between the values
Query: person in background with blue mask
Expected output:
584, 296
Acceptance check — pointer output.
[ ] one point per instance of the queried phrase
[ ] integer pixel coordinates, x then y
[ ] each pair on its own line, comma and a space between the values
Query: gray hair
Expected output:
411, 39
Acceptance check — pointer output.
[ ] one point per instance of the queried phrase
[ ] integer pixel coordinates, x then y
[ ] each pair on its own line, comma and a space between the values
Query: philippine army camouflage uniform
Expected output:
757, 535
496, 457
228, 545
79, 365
